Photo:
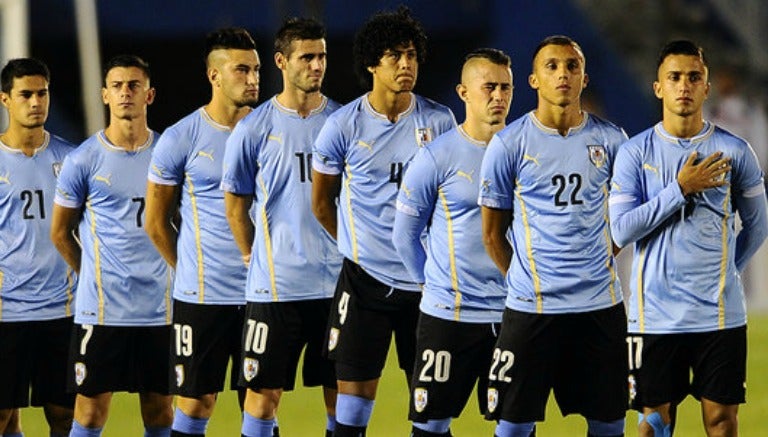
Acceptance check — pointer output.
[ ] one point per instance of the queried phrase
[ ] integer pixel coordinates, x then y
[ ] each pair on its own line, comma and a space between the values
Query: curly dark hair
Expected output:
383, 31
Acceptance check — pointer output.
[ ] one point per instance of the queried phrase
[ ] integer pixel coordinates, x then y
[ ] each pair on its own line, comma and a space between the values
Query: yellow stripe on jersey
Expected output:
198, 245
2, 276
529, 250
268, 240
723, 263
609, 245
168, 288
96, 262
640, 289
70, 294
451, 254
352, 233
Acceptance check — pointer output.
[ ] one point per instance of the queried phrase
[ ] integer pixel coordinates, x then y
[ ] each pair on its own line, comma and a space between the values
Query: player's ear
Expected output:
213, 76
461, 90
151, 92
104, 96
586, 80
4, 99
280, 60
657, 89
533, 81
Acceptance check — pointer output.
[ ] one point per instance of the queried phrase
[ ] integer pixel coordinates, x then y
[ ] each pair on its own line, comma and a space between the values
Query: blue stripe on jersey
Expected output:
372, 153
462, 283
123, 279
684, 274
190, 154
35, 282
557, 189
268, 156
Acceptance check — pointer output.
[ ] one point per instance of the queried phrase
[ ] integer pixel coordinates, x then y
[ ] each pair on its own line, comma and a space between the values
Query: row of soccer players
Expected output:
529, 201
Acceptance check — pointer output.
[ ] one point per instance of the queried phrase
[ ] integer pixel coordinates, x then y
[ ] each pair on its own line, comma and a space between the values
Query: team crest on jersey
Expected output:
493, 399
632, 387
80, 373
420, 398
423, 135
179, 374
56, 168
250, 368
333, 338
597, 154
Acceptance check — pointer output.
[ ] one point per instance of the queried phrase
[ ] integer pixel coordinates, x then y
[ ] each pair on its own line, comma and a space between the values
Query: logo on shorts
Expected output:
80, 373
493, 399
632, 387
250, 368
597, 154
420, 397
333, 338
179, 374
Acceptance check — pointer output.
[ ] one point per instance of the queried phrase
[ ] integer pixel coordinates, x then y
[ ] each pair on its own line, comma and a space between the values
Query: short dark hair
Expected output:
22, 67
127, 61
228, 38
297, 29
383, 31
495, 56
681, 47
558, 40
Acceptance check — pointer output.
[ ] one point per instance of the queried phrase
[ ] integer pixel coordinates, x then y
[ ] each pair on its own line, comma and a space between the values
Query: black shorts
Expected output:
363, 317
274, 335
661, 367
205, 339
107, 359
35, 354
580, 356
450, 358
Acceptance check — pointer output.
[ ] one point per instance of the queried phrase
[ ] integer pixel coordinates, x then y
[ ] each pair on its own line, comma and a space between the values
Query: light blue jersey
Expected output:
441, 186
557, 188
687, 255
209, 268
372, 153
269, 156
123, 279
35, 282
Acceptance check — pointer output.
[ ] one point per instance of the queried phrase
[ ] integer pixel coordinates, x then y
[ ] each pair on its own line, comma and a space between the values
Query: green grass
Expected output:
301, 412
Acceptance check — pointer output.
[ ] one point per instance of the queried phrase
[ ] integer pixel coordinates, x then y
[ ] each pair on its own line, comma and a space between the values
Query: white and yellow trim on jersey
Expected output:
451, 254
529, 250
268, 240
609, 246
723, 262
640, 289
96, 263
352, 233
168, 296
208, 119
70, 292
198, 238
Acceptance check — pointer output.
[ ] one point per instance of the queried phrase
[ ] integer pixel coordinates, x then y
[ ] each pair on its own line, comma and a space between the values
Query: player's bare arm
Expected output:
237, 207
495, 225
695, 178
325, 191
162, 207
63, 228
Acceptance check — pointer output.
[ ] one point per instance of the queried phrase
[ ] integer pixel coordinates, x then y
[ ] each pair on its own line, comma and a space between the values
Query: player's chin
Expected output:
250, 101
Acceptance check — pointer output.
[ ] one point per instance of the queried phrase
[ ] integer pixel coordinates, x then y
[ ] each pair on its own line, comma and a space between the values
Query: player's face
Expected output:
237, 74
127, 93
558, 75
28, 101
486, 89
397, 70
682, 84
304, 67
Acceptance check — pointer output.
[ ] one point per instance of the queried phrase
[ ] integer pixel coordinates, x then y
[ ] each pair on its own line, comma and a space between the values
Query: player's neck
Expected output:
25, 139
479, 131
683, 126
562, 118
127, 134
224, 112
300, 101
390, 104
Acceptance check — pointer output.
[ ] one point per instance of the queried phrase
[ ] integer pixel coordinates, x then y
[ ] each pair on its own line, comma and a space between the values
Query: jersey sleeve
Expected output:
72, 183
169, 159
240, 164
329, 150
750, 201
446, 123
497, 176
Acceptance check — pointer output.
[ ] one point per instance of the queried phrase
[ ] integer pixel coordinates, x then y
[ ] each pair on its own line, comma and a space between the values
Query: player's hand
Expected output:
247, 260
709, 173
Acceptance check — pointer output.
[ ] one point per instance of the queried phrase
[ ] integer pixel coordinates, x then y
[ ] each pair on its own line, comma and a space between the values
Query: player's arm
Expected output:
161, 210
237, 207
325, 191
495, 225
63, 230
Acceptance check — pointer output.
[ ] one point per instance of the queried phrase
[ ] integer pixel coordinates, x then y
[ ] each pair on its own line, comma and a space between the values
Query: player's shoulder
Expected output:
610, 130
446, 142
425, 104
259, 116
513, 130
727, 137
331, 105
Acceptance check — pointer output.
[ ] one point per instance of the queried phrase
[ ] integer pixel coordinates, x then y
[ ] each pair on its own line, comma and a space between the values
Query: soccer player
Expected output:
294, 263
463, 292
121, 336
676, 189
544, 196
359, 157
184, 179
36, 285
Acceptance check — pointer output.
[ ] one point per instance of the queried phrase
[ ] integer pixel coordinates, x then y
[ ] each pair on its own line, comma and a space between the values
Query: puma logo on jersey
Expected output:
205, 154
533, 159
5, 178
647, 166
362, 143
465, 175
278, 138
105, 179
